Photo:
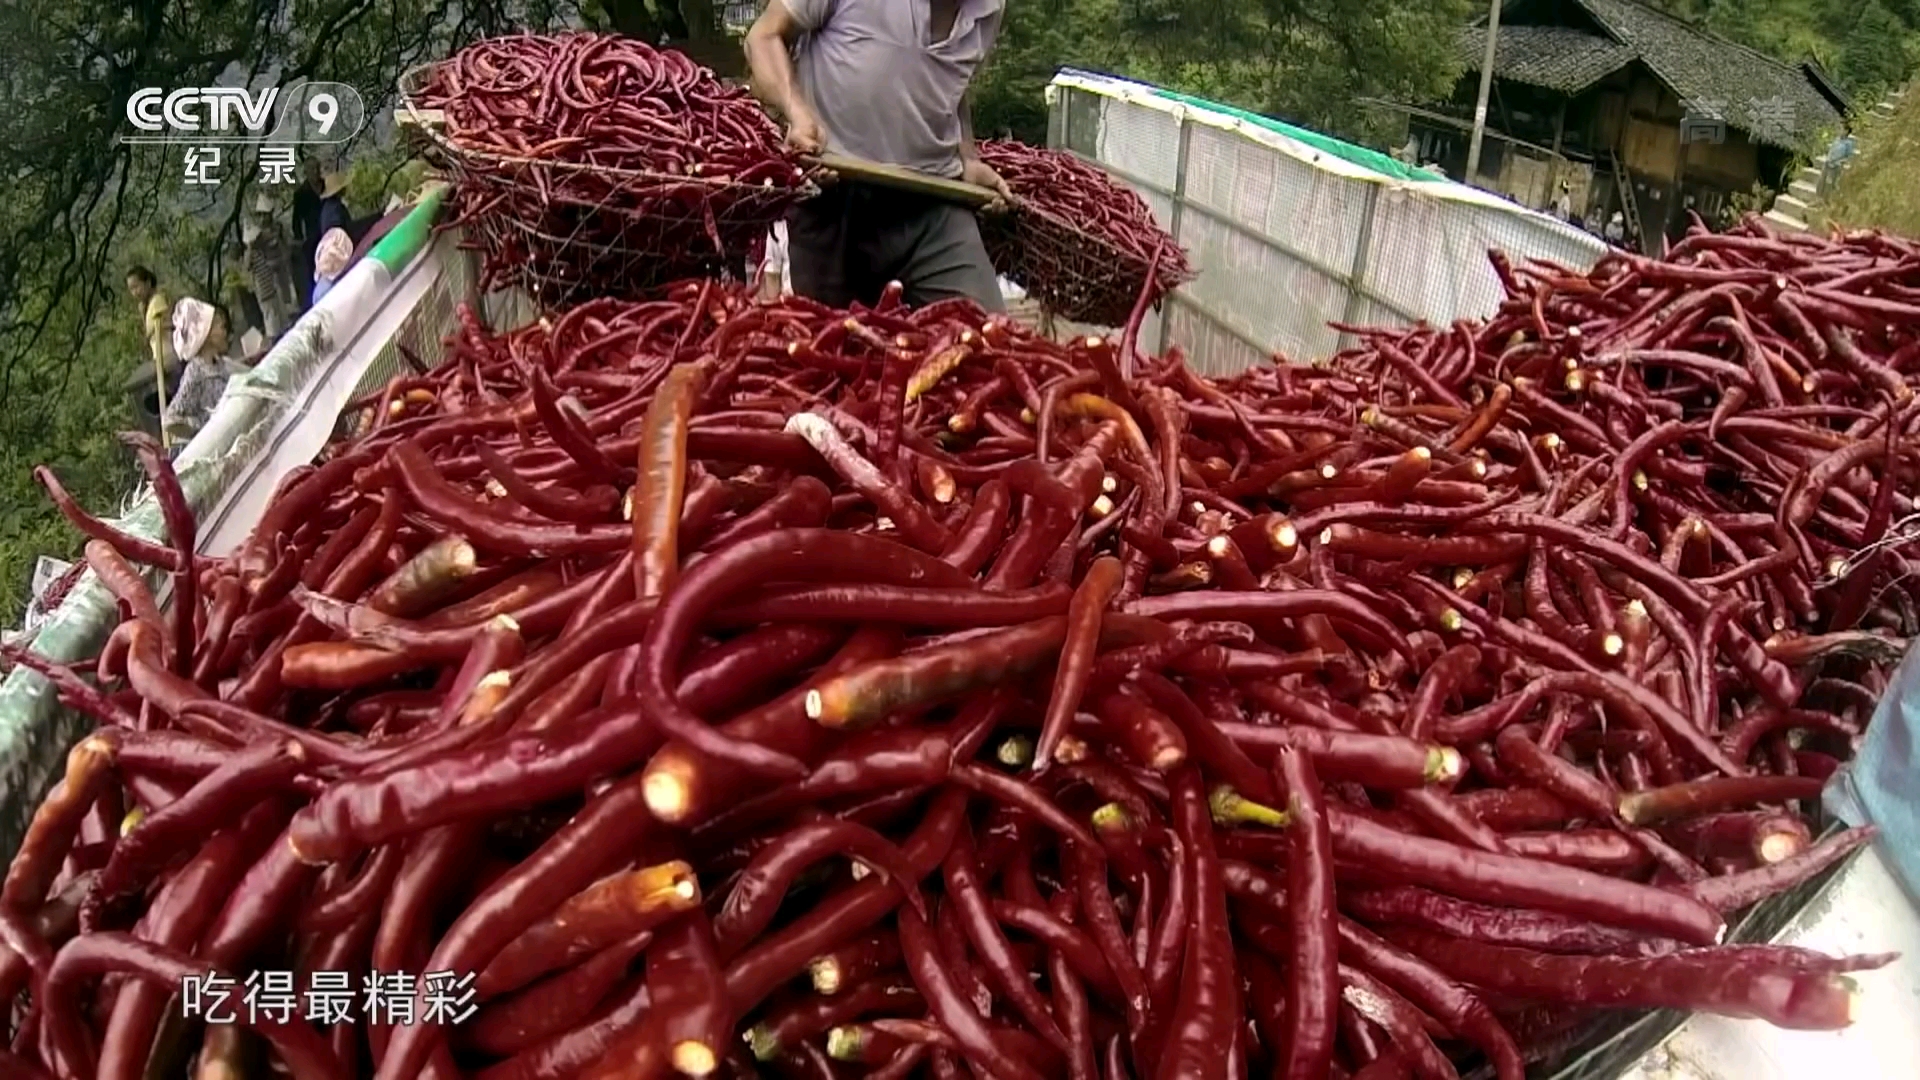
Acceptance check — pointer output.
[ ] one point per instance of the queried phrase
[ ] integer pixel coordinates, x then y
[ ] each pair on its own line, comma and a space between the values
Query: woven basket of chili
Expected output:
1078, 242
596, 165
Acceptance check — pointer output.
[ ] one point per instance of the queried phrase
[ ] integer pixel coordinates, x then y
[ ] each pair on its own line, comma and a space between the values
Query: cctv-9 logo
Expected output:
308, 112
320, 112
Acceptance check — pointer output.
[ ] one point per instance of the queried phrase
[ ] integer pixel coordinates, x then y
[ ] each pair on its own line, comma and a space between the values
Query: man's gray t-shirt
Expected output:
884, 89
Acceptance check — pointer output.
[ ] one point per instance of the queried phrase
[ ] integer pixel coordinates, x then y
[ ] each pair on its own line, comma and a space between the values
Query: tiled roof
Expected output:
1772, 102
1555, 57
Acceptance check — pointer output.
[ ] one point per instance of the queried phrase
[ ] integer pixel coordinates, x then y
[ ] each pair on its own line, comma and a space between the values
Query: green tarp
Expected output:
1374, 160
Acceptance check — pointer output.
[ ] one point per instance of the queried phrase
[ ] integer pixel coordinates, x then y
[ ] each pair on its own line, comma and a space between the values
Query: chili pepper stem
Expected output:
1115, 818
694, 1058
846, 1043
1015, 753
825, 974
1777, 846
764, 1044
1444, 765
1229, 807
668, 788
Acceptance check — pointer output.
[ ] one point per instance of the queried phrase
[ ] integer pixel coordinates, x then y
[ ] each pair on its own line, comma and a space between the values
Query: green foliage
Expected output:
74, 439
1037, 38
1866, 45
1873, 54
1307, 61
1877, 190
81, 205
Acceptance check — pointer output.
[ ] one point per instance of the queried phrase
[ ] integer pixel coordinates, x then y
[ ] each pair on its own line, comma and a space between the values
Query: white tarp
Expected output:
1286, 237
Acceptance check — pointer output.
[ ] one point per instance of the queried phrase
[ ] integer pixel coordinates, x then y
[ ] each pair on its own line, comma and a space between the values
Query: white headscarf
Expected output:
331, 258
192, 322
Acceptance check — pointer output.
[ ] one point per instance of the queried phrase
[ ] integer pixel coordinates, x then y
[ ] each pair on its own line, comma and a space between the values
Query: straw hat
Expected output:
331, 257
333, 184
192, 322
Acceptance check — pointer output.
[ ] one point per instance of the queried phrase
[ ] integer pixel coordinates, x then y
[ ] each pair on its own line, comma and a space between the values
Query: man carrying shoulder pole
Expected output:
884, 81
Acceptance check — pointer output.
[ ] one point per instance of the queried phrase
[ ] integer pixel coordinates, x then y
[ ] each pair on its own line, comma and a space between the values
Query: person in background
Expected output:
203, 334
236, 289
306, 228
774, 277
1837, 156
1616, 230
156, 315
885, 81
1563, 202
268, 267
333, 204
156, 326
330, 261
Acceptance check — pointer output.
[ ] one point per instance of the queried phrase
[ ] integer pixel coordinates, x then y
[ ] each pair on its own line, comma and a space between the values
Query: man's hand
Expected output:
975, 171
805, 133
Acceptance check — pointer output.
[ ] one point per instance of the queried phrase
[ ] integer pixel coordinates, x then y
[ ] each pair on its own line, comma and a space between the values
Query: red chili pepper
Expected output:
1075, 668
773, 960
547, 1008
614, 909
1478, 875
1378, 761
796, 552
755, 897
258, 771
685, 787
1729, 984
1715, 794
966, 892
949, 1008
1314, 992
132, 547
306, 1055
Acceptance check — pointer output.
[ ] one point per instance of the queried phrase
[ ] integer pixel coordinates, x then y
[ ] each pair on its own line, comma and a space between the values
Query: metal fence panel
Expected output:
1288, 237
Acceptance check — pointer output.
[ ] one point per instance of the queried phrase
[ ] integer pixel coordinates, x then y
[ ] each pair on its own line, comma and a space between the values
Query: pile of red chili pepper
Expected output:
593, 164
1081, 244
741, 688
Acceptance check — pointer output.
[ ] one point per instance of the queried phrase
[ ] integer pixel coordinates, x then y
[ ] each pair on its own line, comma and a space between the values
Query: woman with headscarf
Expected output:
330, 261
203, 338
318, 206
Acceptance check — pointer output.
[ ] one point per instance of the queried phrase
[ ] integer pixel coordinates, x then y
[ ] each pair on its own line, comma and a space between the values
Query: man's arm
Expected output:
771, 65
972, 169
969, 150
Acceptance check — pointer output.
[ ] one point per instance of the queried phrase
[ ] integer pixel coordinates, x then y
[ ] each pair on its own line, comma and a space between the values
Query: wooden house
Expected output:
1638, 111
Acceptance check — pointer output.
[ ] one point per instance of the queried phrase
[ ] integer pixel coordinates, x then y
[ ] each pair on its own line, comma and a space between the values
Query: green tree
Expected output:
1308, 61
1037, 38
1873, 54
691, 25
81, 204
1868, 45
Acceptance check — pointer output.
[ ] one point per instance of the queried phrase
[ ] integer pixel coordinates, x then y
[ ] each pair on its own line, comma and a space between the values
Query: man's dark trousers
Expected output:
849, 242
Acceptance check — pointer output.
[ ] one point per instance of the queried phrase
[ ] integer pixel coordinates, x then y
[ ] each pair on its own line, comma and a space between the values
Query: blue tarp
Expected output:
1881, 786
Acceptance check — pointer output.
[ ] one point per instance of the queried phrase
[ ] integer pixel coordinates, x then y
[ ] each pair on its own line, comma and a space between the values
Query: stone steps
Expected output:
1792, 205
1784, 222
1795, 207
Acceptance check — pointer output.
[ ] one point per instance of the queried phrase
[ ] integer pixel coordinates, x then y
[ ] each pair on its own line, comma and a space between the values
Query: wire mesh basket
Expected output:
565, 230
1074, 274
